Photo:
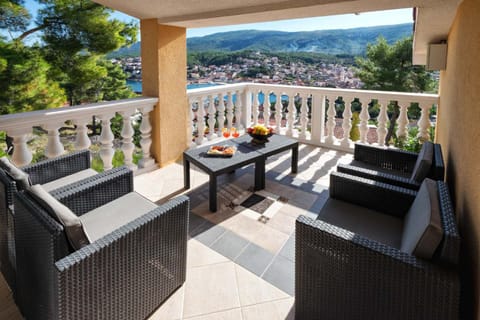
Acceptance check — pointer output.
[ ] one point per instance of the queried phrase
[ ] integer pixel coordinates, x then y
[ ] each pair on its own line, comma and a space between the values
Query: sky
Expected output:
346, 21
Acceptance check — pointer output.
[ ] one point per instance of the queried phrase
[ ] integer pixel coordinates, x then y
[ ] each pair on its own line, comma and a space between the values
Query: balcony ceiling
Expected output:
433, 20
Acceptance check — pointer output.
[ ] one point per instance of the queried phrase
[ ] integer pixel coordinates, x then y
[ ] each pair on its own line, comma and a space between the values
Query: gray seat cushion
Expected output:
69, 220
113, 215
422, 232
368, 166
77, 176
424, 162
21, 178
371, 224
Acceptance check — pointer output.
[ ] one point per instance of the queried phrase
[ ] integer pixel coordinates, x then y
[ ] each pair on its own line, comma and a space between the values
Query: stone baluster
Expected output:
128, 147
238, 110
82, 141
331, 113
382, 122
255, 107
229, 110
347, 123
200, 120
106, 141
191, 129
221, 112
424, 123
146, 138
211, 118
291, 115
278, 112
54, 145
266, 108
363, 128
21, 153
303, 117
402, 129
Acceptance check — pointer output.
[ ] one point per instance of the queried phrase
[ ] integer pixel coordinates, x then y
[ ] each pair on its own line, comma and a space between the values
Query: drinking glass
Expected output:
225, 132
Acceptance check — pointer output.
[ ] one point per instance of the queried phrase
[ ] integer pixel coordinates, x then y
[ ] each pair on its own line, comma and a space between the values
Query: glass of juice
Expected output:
225, 132
235, 132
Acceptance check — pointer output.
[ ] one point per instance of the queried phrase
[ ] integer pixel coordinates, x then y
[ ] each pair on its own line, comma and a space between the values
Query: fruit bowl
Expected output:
259, 134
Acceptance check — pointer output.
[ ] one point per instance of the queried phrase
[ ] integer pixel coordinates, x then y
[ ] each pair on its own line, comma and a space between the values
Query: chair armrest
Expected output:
8, 189
335, 268
93, 192
392, 179
371, 194
56, 168
394, 159
438, 166
129, 272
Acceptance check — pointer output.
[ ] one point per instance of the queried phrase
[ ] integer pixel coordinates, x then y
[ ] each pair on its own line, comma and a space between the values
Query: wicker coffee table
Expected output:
247, 153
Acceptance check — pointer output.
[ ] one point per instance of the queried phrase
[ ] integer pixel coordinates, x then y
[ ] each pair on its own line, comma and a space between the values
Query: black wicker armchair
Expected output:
124, 273
393, 166
348, 262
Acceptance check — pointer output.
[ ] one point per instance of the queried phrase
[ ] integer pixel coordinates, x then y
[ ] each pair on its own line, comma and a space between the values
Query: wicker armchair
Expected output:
340, 274
391, 166
125, 274
54, 173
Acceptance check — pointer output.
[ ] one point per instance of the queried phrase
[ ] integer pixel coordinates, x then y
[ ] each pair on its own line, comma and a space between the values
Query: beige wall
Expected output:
164, 75
458, 132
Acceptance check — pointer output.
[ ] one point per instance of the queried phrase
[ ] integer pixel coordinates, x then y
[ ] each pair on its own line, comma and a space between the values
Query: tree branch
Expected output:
29, 32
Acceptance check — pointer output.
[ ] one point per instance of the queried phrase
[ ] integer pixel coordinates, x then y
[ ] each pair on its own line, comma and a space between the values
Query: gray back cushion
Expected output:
69, 220
422, 230
424, 162
21, 178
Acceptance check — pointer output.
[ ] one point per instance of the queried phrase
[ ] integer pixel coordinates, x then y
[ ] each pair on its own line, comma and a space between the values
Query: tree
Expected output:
389, 68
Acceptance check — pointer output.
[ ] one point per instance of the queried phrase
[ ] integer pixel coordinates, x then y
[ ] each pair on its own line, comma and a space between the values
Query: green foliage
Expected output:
410, 142
355, 131
117, 161
13, 16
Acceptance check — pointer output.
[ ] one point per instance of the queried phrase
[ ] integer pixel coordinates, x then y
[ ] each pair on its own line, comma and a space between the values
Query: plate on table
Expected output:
221, 151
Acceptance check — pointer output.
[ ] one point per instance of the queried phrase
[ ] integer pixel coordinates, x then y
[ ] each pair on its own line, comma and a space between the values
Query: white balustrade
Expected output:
266, 108
402, 121
346, 123
278, 111
332, 112
211, 118
200, 120
364, 117
382, 122
256, 103
303, 118
221, 112
229, 110
19, 127
238, 110
424, 122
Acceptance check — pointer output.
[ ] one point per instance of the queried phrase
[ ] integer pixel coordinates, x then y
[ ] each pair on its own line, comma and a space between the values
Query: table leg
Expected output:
213, 193
186, 173
260, 174
295, 159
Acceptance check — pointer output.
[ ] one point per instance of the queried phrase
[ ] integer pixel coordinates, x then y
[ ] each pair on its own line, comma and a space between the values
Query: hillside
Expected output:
341, 41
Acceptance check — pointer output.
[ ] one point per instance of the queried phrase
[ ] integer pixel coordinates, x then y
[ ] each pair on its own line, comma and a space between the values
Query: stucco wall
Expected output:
458, 132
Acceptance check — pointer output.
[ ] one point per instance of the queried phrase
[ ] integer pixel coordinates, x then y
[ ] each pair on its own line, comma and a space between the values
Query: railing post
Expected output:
382, 122
229, 110
402, 130
21, 153
128, 147
364, 117
303, 117
278, 112
106, 140
211, 118
82, 141
238, 109
54, 145
221, 113
347, 123
318, 114
330, 139
291, 114
424, 122
266, 108
146, 138
191, 127
255, 107
246, 107
200, 120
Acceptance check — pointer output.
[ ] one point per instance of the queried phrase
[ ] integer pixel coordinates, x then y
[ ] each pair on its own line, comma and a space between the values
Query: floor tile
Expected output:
230, 245
208, 232
283, 221
270, 239
253, 290
201, 255
172, 308
255, 259
288, 250
275, 310
234, 314
281, 273
209, 289
243, 226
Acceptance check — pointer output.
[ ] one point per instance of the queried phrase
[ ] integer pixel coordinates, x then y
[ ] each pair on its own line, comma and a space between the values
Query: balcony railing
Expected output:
306, 113
19, 127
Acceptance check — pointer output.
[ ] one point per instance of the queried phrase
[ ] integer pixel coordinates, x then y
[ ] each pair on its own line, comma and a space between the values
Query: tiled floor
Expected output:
238, 267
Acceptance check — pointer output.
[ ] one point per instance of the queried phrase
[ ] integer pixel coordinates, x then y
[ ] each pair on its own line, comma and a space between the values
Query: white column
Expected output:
229, 110
54, 145
221, 113
402, 129
106, 140
21, 153
238, 109
424, 122
291, 114
82, 141
303, 117
255, 107
330, 139
146, 138
211, 118
200, 120
364, 117
266, 108
382, 122
347, 123
127, 140
278, 112
191, 127
318, 114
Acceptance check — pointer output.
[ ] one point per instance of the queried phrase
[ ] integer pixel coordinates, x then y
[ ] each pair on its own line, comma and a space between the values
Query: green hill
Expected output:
341, 41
